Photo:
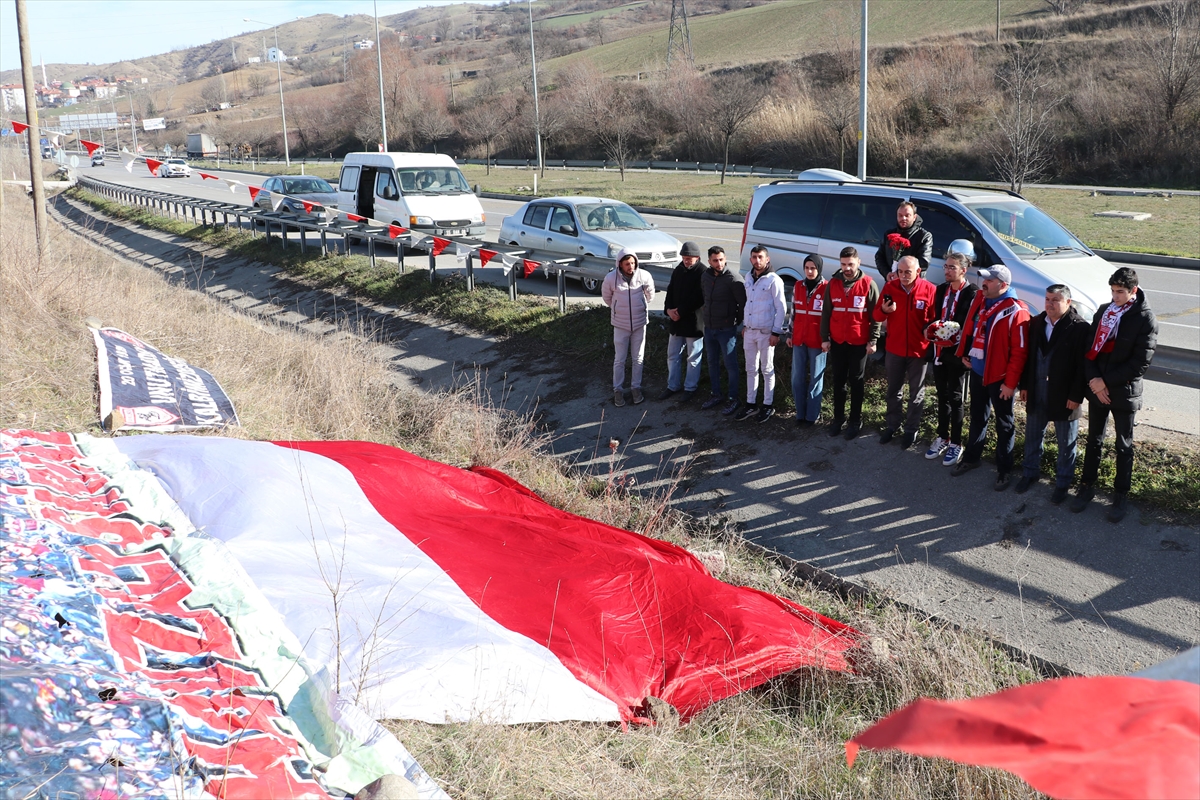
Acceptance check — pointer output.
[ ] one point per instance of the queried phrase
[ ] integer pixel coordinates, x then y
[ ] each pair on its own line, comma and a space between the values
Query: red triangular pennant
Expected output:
355, 218
254, 190
154, 164
529, 266
308, 207
207, 176
396, 230
485, 256
19, 127
439, 244
91, 147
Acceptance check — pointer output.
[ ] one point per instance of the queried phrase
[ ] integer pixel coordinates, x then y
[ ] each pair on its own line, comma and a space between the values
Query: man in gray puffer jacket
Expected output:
628, 291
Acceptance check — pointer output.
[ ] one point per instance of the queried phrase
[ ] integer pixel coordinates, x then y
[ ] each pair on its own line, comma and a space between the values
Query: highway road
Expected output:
1174, 293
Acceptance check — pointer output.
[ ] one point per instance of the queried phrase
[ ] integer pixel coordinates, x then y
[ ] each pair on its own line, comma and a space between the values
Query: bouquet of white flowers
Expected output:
944, 333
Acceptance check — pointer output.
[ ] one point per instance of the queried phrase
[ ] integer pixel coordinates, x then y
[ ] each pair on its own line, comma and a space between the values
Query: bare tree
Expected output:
605, 112
444, 26
838, 109
1174, 58
733, 102
1061, 7
257, 81
1022, 149
487, 124
212, 93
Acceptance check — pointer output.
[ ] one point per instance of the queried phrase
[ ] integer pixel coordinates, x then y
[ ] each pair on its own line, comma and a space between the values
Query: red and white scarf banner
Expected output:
1107, 329
465, 596
1124, 737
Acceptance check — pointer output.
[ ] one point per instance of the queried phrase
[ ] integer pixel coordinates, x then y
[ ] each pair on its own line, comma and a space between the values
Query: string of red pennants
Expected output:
436, 246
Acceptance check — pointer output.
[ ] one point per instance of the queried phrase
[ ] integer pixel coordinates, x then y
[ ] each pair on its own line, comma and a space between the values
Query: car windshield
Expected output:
177, 161
1026, 228
433, 180
610, 217
306, 186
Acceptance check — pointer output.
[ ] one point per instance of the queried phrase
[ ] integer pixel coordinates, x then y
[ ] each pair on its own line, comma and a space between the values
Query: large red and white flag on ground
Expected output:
463, 595
1126, 737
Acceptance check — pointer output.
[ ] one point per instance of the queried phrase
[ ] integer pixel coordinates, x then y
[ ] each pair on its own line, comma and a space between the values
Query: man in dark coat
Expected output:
724, 305
684, 301
1052, 388
908, 238
1123, 336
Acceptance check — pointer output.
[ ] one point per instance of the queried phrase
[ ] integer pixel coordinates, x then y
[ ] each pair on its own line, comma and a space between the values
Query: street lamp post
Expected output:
537, 117
287, 157
379, 60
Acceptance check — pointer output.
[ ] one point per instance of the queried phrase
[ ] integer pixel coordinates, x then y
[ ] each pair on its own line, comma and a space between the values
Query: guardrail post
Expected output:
562, 291
282, 235
371, 250
345, 243
400, 255
303, 243
324, 243
432, 264
470, 272
512, 283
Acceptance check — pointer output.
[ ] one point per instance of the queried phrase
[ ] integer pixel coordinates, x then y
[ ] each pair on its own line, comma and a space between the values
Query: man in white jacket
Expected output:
628, 291
765, 320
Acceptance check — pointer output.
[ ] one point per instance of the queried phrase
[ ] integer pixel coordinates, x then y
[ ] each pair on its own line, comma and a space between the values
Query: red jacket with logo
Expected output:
806, 314
915, 309
1007, 341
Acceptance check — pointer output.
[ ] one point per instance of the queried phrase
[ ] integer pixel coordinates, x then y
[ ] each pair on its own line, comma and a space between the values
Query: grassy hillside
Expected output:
790, 28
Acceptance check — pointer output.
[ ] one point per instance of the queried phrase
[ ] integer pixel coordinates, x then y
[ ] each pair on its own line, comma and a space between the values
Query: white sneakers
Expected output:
954, 454
937, 448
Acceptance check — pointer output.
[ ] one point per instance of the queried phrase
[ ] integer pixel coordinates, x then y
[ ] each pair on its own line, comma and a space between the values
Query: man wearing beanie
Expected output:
808, 359
683, 303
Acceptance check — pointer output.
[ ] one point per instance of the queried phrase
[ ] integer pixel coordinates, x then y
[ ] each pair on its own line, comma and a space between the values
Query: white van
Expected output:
825, 210
422, 191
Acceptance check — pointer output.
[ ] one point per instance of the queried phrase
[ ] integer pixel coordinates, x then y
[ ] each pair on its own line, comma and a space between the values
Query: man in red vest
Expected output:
994, 346
848, 335
907, 305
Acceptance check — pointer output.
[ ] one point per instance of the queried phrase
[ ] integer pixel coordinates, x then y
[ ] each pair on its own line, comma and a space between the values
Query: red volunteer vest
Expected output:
848, 321
806, 315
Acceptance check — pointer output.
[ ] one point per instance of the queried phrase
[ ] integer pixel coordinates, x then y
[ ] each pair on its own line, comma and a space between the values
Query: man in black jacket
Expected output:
1123, 336
1052, 387
724, 303
684, 301
893, 248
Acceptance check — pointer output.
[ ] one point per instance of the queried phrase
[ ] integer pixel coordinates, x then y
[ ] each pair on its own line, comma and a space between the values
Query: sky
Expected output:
104, 31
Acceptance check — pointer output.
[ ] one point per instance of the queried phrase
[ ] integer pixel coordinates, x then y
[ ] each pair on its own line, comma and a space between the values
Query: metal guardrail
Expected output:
205, 213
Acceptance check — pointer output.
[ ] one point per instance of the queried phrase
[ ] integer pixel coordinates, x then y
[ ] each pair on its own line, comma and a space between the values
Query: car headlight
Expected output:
417, 222
614, 250
482, 220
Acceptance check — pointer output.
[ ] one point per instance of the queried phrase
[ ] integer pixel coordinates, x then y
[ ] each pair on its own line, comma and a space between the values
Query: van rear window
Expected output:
796, 213
858, 219
349, 182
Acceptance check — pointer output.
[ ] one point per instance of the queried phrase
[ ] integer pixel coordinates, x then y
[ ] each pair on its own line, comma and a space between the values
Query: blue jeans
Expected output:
677, 347
720, 344
806, 388
1067, 433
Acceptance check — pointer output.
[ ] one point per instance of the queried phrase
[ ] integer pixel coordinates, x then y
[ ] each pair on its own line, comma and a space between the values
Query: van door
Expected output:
348, 187
365, 200
788, 224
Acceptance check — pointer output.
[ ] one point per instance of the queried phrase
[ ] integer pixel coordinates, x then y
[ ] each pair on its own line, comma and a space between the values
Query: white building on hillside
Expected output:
12, 96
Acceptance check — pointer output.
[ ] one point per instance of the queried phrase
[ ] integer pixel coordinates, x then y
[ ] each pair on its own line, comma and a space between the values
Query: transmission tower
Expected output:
679, 41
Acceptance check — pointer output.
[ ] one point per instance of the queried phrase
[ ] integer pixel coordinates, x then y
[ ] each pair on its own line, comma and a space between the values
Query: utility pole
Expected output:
997, 20
862, 101
133, 122
537, 115
679, 41
34, 132
116, 122
379, 61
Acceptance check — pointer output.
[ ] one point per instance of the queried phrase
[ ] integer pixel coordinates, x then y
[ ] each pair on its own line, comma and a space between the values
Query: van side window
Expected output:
945, 226
385, 185
349, 181
859, 219
535, 216
561, 217
797, 213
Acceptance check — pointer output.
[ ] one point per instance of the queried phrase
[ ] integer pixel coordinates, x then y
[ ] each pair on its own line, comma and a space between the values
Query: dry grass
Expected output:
784, 739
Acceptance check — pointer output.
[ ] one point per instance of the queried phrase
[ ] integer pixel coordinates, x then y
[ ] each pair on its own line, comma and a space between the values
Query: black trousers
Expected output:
950, 378
1123, 430
847, 365
984, 400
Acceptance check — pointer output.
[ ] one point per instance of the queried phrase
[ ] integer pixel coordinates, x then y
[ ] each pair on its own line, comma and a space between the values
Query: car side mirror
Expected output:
569, 230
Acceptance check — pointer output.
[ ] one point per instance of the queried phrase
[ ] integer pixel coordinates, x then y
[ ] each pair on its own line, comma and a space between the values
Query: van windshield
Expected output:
432, 180
1026, 228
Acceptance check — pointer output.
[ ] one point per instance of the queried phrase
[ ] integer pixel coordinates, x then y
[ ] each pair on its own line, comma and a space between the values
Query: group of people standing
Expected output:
982, 345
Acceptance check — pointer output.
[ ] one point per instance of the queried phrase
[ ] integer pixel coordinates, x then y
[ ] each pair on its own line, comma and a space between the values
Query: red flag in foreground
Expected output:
208, 176
355, 218
19, 127
91, 147
439, 244
485, 256
1106, 737
529, 266
500, 606
254, 190
154, 164
396, 230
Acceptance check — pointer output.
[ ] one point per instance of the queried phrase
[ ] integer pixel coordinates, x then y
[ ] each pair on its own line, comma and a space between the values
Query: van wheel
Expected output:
591, 285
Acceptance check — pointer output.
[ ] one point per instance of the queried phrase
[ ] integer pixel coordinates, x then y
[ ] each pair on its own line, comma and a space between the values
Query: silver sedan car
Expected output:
588, 226
295, 190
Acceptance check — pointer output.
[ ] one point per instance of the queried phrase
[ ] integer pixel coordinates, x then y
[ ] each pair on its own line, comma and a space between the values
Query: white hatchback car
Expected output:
174, 168
825, 210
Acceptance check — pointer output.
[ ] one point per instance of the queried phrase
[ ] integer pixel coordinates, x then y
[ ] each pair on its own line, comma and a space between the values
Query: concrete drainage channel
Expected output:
1089, 598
